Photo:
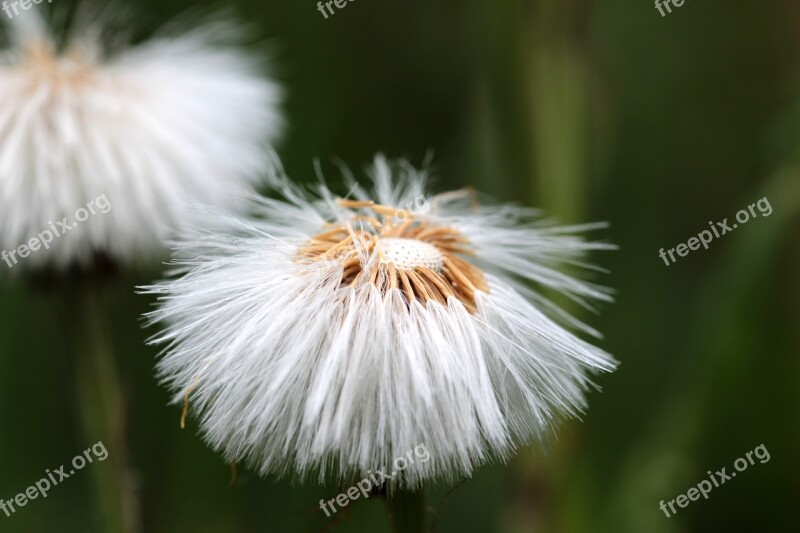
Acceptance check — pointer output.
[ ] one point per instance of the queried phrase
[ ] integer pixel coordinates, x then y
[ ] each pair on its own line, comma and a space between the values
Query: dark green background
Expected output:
592, 110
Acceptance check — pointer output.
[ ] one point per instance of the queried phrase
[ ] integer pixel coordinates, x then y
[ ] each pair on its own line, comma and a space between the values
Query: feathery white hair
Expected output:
186, 117
328, 337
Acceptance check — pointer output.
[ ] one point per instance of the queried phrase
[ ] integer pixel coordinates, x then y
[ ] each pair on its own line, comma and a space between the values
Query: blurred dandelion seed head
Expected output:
185, 118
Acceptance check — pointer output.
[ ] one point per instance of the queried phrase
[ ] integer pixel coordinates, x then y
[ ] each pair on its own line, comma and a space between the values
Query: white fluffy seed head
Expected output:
408, 254
296, 370
183, 119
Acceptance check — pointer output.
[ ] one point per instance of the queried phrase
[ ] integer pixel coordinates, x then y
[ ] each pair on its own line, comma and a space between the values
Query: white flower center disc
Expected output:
407, 254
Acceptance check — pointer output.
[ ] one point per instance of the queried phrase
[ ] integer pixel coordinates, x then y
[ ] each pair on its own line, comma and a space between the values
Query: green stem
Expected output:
407, 511
102, 410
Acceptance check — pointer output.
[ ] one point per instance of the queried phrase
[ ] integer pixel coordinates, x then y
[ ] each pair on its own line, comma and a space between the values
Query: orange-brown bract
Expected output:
354, 246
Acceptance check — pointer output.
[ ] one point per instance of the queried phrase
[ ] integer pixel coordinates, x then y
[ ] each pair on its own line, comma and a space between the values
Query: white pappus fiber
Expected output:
299, 368
184, 118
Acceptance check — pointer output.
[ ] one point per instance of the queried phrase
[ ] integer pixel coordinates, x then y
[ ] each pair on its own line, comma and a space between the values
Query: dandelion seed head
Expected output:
185, 118
341, 333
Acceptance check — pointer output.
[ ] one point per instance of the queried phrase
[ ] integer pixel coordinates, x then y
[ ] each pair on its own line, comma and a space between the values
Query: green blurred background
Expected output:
591, 110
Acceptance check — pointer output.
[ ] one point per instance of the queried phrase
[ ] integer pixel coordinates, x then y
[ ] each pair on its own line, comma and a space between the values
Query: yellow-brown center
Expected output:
72, 68
391, 249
